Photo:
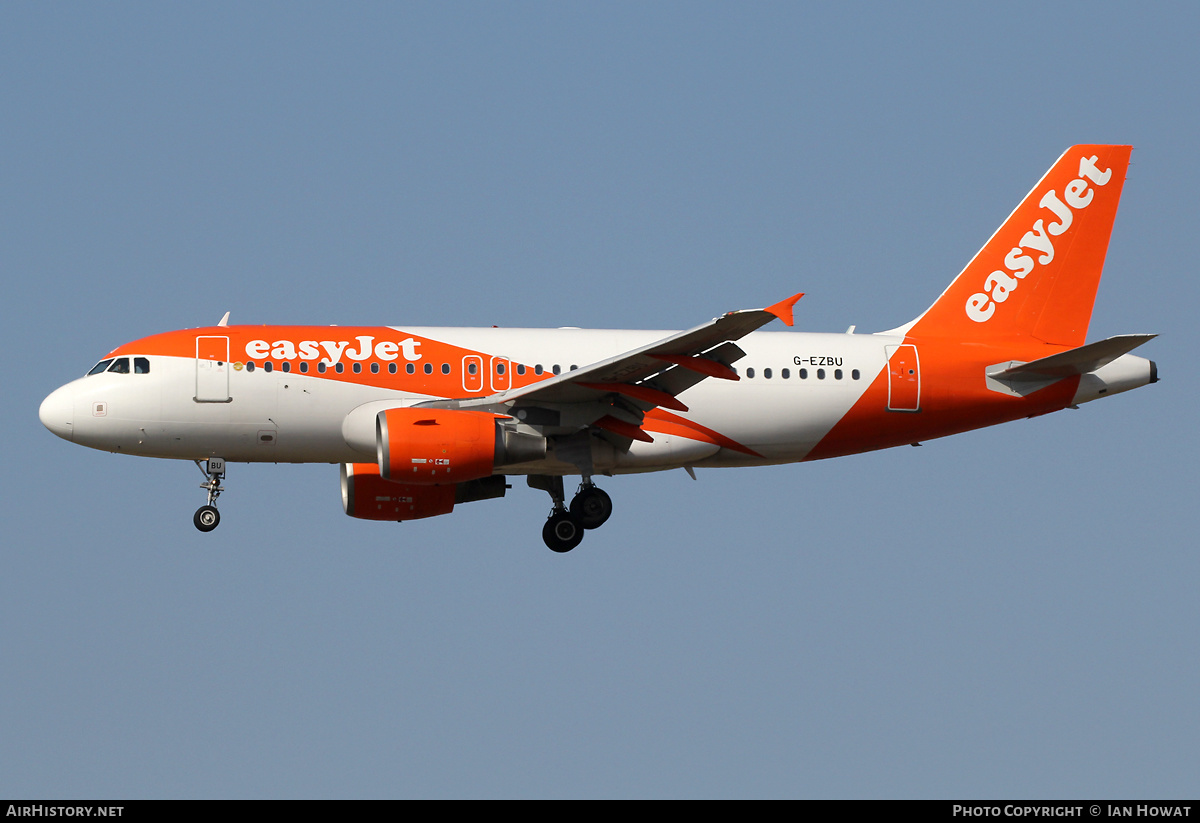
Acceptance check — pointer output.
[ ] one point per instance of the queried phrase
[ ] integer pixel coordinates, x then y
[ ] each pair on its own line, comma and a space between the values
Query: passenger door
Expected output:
212, 369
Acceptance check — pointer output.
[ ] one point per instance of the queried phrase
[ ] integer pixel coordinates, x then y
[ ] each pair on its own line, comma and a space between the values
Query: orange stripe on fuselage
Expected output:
350, 345
954, 398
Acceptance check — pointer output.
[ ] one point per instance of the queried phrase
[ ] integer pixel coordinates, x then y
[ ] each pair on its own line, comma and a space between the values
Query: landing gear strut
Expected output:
207, 517
564, 528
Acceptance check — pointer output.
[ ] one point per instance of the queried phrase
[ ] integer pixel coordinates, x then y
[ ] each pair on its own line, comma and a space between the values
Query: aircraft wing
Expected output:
627, 385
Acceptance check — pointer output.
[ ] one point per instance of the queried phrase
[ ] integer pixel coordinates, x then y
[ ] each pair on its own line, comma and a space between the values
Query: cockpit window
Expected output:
120, 366
99, 367
141, 365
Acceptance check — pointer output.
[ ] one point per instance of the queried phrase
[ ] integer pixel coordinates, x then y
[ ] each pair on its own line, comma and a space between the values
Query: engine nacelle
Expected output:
428, 447
368, 496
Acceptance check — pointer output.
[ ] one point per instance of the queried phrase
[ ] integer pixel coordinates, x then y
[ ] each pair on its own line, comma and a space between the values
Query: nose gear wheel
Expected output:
207, 518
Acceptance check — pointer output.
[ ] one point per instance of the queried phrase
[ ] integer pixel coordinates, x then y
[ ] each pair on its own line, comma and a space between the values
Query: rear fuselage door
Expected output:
904, 379
212, 369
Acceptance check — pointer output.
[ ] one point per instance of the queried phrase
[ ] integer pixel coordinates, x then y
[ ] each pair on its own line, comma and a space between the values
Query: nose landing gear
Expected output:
207, 517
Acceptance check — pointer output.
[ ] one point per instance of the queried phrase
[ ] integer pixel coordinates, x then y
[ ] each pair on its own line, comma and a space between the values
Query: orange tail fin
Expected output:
1037, 276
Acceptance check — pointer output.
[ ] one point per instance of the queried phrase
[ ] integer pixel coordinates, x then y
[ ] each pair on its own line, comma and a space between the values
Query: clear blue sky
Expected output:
1006, 613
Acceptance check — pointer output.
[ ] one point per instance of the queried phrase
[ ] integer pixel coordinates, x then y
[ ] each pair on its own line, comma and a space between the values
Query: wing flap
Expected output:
642, 392
702, 365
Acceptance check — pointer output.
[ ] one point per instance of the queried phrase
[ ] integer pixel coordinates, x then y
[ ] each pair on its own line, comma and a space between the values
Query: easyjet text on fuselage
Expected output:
362, 348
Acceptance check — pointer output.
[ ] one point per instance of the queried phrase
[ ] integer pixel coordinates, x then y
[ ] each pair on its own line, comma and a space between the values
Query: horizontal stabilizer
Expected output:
1080, 360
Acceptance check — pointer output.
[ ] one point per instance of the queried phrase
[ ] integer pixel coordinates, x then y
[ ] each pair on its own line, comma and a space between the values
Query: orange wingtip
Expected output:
783, 309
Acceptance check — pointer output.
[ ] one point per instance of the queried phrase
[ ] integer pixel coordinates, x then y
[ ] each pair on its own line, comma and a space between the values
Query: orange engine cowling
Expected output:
434, 447
367, 495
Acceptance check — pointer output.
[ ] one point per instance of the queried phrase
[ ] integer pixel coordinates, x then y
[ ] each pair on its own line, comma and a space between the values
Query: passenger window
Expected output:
120, 366
766, 374
521, 369
321, 367
803, 374
820, 374
750, 372
429, 368
785, 373
339, 368
556, 369
374, 368
99, 367
357, 368
445, 368
304, 368
409, 368
855, 374
538, 369
391, 368
286, 366
250, 366
141, 365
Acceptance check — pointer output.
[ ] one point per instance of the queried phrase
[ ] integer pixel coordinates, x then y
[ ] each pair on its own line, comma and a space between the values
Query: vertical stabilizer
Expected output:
1037, 276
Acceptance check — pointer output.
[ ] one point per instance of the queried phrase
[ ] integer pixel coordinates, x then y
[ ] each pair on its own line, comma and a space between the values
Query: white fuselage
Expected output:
291, 417
794, 388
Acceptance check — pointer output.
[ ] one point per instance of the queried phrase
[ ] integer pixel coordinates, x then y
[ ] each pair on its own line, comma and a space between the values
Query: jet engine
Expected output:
368, 496
435, 447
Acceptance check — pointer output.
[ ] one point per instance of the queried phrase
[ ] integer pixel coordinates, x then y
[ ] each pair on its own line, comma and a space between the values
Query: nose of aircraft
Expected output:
57, 412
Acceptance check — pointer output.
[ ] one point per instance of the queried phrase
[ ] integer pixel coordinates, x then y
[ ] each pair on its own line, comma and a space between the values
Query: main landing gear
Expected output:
589, 509
591, 505
207, 517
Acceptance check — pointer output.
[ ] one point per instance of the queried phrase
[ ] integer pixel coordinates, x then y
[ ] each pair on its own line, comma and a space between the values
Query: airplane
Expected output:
424, 419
